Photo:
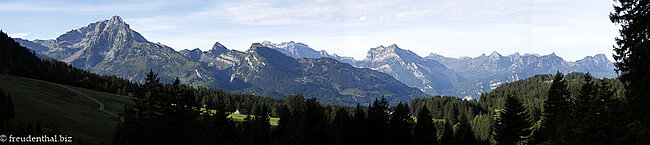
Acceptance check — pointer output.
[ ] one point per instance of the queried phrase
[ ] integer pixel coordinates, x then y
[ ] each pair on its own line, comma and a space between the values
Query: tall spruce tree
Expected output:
314, 123
464, 134
285, 131
259, 129
584, 101
512, 125
341, 127
425, 132
377, 122
218, 128
632, 56
143, 121
607, 126
400, 125
447, 133
359, 125
585, 112
557, 111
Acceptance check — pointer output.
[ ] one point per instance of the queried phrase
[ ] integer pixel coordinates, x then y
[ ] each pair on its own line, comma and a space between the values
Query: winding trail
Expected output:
101, 105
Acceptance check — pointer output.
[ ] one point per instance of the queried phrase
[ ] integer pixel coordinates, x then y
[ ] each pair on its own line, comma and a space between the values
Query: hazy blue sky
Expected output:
570, 28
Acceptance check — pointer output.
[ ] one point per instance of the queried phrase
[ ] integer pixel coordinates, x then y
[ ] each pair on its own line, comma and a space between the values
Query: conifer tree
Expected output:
147, 121
218, 128
585, 112
341, 127
259, 129
400, 125
447, 135
512, 125
608, 125
584, 101
464, 134
557, 111
378, 121
359, 125
425, 132
314, 123
632, 56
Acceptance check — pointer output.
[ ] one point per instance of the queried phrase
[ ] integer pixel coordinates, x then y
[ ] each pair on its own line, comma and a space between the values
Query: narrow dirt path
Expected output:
101, 105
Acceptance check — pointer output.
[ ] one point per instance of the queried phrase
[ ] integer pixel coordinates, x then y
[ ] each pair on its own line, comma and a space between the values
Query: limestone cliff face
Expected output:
110, 47
428, 75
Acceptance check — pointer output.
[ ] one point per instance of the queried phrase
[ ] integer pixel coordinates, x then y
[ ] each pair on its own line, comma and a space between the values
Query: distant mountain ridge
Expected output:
428, 75
465, 76
110, 47
297, 50
489, 71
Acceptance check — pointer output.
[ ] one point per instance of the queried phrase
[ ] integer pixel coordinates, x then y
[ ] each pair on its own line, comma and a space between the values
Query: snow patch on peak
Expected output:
532, 54
495, 54
197, 73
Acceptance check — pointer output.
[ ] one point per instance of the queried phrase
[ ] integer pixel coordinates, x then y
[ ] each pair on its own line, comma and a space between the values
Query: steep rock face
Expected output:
298, 50
323, 78
598, 65
489, 71
194, 54
428, 75
110, 47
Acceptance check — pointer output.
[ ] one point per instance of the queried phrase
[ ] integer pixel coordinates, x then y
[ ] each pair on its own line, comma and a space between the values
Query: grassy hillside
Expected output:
53, 105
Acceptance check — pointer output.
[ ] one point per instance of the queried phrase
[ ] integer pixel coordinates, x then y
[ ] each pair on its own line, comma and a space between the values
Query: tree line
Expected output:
19, 61
546, 109
169, 114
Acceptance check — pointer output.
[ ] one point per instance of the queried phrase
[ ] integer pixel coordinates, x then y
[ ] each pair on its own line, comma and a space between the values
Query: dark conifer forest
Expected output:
574, 108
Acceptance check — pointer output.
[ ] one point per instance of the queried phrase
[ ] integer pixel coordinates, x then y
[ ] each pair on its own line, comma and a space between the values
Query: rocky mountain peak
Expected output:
218, 46
114, 30
298, 50
532, 54
495, 55
596, 59
381, 49
432, 55
217, 49
392, 51
256, 45
256, 48
116, 20
601, 57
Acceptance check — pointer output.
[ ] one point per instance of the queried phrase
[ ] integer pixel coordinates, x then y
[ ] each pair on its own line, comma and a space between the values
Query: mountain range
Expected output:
110, 47
462, 77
